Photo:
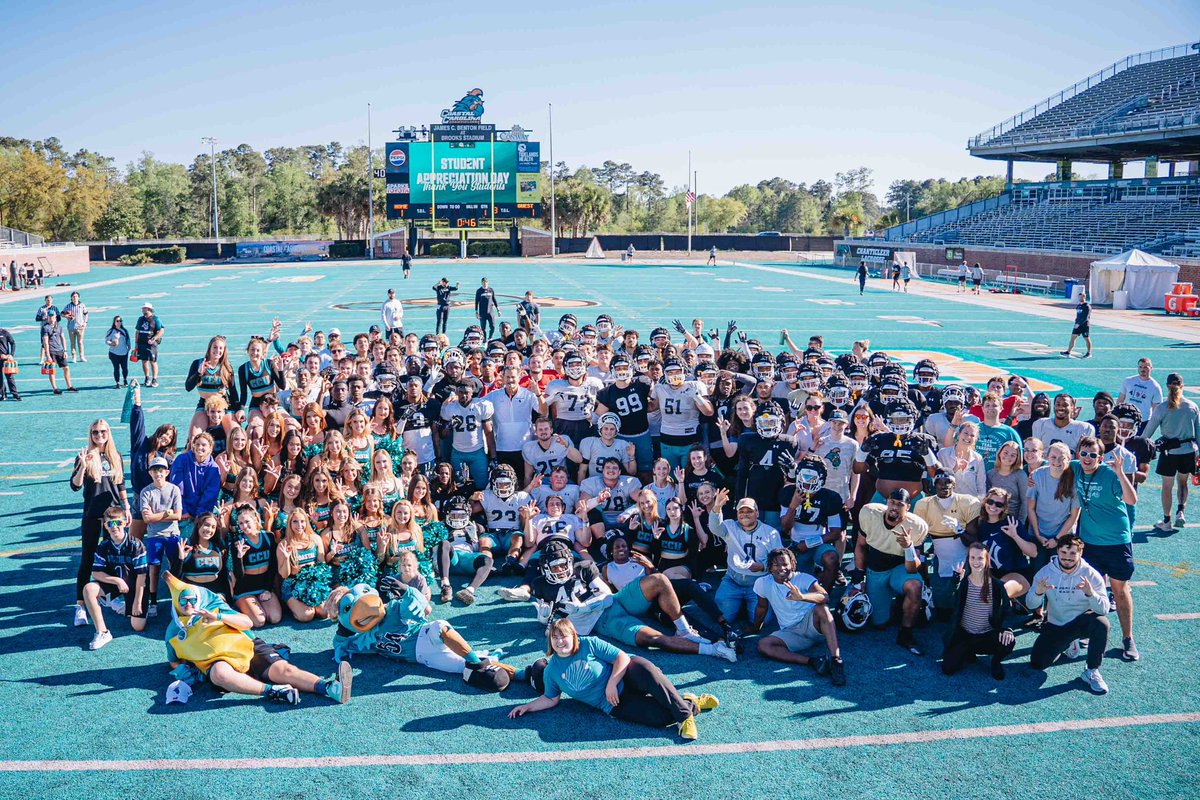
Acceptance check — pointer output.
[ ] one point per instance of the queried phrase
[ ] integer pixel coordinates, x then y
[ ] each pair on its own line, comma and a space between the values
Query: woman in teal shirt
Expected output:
603, 676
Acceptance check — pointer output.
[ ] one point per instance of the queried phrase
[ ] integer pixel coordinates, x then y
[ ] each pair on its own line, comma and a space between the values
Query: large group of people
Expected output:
680, 488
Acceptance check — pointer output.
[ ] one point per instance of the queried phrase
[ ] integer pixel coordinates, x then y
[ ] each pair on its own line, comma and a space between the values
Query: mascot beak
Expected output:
367, 612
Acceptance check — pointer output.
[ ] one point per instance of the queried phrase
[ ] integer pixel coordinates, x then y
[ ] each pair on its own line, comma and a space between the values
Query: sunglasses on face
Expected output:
99, 433
184, 602
995, 503
1088, 454
812, 408
113, 524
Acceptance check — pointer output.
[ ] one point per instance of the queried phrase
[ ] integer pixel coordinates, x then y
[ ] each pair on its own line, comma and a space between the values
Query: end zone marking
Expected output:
596, 754
1177, 570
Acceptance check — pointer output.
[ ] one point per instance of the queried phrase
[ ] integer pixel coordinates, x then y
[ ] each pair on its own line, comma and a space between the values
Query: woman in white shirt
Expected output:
964, 463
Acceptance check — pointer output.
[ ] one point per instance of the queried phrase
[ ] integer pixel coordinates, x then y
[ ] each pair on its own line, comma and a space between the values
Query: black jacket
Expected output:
1000, 606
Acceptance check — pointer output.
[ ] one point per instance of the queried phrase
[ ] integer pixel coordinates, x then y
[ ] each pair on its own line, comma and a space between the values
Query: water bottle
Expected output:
127, 409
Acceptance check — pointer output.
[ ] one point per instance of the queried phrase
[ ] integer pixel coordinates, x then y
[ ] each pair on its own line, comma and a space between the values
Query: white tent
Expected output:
594, 249
1145, 277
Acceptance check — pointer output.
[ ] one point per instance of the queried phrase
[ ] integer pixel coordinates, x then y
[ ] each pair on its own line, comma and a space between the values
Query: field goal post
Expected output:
1008, 279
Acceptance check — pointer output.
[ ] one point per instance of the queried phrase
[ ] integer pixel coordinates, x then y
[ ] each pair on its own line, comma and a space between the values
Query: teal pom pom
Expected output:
433, 534
311, 450
311, 585
359, 566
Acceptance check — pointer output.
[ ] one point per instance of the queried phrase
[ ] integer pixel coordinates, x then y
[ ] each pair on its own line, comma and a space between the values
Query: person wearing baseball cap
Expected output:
748, 542
1177, 419
887, 554
54, 350
148, 332
161, 505
837, 451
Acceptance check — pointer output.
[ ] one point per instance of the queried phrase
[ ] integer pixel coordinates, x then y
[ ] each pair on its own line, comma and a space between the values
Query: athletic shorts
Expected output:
502, 540
644, 450
976, 282
1113, 560
464, 562
882, 587
621, 620
810, 559
426, 647
156, 546
1082, 330
1170, 465
260, 664
802, 635
147, 352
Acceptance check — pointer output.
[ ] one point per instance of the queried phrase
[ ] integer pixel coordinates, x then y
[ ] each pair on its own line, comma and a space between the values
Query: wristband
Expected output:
910, 554
219, 615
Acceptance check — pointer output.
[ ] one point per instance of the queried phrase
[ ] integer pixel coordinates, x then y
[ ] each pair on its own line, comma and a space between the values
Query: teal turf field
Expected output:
95, 725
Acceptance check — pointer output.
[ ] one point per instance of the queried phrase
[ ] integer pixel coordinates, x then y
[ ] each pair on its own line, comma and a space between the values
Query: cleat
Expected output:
515, 594
821, 665
837, 671
465, 596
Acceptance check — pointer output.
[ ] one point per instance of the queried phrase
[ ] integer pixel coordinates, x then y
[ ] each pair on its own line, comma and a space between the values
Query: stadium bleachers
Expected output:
1145, 91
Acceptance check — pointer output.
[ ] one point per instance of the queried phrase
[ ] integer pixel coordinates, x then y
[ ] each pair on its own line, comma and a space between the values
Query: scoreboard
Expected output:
464, 181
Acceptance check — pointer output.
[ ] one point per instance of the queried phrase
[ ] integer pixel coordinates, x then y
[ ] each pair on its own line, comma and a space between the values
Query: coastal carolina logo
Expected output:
397, 158
469, 109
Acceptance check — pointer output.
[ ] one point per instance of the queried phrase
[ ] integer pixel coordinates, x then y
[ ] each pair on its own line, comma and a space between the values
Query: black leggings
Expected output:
649, 698
1054, 639
488, 323
89, 531
443, 317
120, 365
962, 645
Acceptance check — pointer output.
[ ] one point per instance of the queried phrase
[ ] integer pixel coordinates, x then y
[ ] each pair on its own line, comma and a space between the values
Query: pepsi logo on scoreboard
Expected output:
397, 158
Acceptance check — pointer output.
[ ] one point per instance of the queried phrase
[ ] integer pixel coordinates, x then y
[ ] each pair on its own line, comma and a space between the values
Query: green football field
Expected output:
77, 723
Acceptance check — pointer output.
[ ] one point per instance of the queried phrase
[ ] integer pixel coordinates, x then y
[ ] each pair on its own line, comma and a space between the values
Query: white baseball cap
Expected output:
178, 692
148, 305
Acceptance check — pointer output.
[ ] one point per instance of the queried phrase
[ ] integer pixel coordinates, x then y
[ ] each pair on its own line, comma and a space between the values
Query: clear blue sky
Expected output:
794, 89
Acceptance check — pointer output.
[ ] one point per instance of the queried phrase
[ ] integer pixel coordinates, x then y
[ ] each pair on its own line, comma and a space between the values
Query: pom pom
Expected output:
359, 566
433, 534
312, 584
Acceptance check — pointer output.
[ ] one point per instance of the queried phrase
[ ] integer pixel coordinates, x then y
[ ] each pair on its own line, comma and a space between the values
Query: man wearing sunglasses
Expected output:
1103, 494
118, 578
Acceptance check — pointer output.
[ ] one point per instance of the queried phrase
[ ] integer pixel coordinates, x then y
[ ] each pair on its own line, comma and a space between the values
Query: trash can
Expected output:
1069, 287
1120, 300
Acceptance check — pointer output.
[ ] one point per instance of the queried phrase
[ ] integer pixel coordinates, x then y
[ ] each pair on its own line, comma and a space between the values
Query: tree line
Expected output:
323, 189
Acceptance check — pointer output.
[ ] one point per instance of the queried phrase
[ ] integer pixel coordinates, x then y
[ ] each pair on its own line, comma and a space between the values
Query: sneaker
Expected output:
820, 665
1087, 355
841, 579
1112, 602
72, 390
58, 391
338, 688
115, 604
99, 640
1163, 526
81, 617
465, 596
1129, 650
997, 670
837, 672
691, 634
733, 638
83, 359
1077, 648
283, 693
1180, 521
152, 612
447, 593
514, 594
722, 650
704, 702
1094, 681
1066, 353
687, 729
117, 385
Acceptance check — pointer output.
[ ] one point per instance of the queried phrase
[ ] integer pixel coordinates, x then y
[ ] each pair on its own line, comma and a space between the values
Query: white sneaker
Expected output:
1094, 681
692, 635
514, 594
81, 617
115, 604
152, 612
83, 359
543, 611
100, 639
1180, 521
722, 650
1078, 648
1163, 526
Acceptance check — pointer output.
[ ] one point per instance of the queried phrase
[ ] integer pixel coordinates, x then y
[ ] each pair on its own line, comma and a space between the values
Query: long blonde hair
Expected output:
107, 450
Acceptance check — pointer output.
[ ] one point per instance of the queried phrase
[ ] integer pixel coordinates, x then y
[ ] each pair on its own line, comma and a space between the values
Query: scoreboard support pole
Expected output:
462, 244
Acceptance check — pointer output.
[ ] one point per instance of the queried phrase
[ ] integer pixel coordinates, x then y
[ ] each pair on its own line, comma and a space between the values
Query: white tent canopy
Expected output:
1145, 277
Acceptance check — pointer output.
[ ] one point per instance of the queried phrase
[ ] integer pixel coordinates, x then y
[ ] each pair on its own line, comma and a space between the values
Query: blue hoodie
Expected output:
200, 484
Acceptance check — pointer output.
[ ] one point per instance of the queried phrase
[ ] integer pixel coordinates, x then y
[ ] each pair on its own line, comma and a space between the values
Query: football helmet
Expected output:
953, 394
811, 474
609, 419
567, 324
768, 424
901, 417
876, 362
574, 367
1129, 419
854, 609
858, 377
622, 368
838, 390
659, 337
809, 377
673, 373
557, 563
926, 373
503, 481
458, 513
763, 367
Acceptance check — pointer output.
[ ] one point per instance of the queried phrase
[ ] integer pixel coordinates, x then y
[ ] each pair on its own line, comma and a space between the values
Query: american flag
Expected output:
690, 198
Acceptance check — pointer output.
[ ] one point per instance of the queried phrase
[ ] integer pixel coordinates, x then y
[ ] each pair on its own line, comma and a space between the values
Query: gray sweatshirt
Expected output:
1176, 423
1064, 602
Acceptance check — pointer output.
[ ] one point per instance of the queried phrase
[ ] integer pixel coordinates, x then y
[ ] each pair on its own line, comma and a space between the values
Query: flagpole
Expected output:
553, 218
689, 205
370, 190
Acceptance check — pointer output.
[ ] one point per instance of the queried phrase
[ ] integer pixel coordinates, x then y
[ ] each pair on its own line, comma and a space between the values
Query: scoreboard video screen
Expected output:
463, 184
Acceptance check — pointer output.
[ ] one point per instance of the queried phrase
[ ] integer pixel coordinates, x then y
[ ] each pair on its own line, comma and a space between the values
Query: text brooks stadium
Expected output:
463, 184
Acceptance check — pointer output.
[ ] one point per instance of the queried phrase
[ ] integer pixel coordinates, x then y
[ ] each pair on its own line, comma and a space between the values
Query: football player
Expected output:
887, 553
572, 399
681, 403
902, 457
763, 455
606, 445
505, 508
460, 551
812, 517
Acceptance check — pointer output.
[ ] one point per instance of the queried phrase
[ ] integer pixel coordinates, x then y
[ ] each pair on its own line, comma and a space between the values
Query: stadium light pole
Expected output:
370, 190
553, 217
689, 205
212, 160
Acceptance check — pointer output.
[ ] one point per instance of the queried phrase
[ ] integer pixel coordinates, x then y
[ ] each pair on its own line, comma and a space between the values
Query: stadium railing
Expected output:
14, 237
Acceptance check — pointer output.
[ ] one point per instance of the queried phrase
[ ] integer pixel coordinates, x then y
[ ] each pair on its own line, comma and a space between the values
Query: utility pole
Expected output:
370, 190
553, 217
212, 159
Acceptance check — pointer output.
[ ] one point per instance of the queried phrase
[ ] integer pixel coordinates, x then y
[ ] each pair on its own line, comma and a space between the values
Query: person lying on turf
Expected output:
603, 676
